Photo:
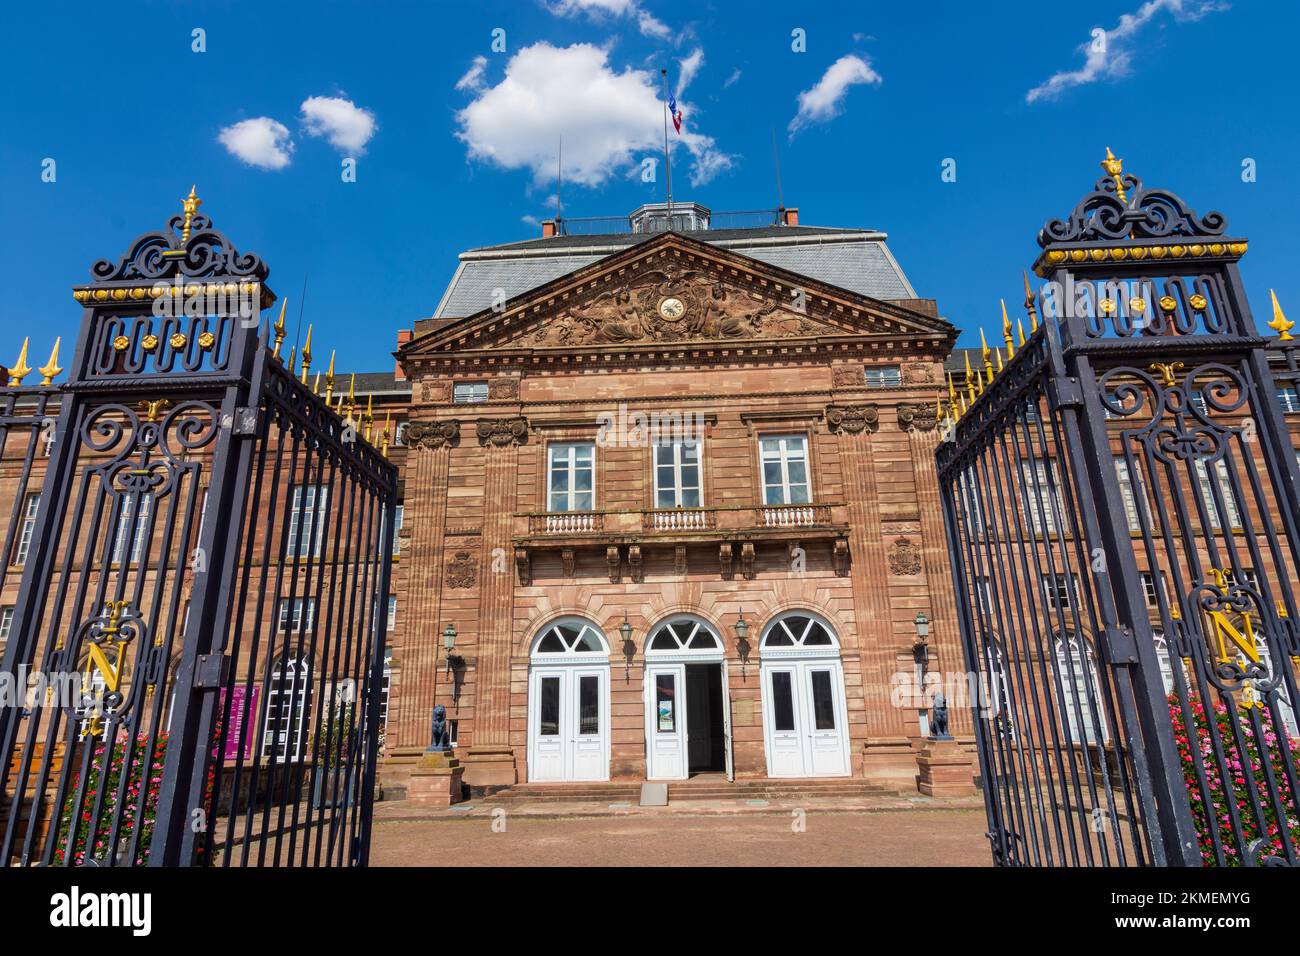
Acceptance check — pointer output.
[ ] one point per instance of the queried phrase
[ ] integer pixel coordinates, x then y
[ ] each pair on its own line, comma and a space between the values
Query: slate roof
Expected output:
854, 259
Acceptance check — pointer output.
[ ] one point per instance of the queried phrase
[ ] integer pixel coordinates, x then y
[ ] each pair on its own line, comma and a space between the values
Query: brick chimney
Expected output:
548, 228
403, 336
790, 217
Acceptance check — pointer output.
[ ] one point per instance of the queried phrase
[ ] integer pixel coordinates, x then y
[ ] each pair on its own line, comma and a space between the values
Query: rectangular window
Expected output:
397, 530
392, 612
1225, 489
6, 621
48, 441
784, 460
469, 393
883, 376
549, 718
588, 704
1043, 495
307, 521
23, 546
823, 701
572, 476
1287, 397
291, 613
124, 527
1060, 590
968, 490
1132, 493
677, 475
1150, 590
984, 594
665, 703
782, 701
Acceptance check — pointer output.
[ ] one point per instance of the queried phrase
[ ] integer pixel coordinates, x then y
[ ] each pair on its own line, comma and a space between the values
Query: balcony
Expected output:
685, 525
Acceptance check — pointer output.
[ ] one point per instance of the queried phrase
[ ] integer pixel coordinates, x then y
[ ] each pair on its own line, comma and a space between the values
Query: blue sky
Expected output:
453, 141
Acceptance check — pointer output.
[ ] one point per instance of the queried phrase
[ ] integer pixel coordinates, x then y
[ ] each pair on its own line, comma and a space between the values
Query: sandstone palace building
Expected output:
673, 488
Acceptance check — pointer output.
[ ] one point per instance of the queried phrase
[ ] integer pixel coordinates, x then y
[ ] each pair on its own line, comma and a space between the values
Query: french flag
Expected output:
674, 112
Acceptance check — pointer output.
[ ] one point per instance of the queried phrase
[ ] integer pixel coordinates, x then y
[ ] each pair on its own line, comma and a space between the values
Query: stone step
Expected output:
709, 789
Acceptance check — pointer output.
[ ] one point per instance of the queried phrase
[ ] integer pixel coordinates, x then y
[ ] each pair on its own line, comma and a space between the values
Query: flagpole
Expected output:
668, 163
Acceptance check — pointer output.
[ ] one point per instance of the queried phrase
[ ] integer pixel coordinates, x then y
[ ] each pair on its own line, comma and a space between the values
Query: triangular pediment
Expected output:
673, 289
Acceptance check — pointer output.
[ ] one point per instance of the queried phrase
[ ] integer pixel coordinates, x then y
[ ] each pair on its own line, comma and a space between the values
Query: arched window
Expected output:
684, 635
798, 631
287, 709
570, 636
1076, 677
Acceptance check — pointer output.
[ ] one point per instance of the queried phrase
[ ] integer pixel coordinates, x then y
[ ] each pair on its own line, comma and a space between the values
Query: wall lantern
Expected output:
742, 643
449, 643
629, 648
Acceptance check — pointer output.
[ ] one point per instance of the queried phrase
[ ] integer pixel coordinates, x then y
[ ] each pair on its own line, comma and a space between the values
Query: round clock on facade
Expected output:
671, 308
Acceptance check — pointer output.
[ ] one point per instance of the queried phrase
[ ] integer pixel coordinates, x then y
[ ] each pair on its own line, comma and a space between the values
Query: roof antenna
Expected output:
780, 204
559, 178
302, 301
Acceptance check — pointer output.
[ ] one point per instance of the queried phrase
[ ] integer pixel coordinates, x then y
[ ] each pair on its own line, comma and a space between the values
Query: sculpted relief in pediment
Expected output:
662, 306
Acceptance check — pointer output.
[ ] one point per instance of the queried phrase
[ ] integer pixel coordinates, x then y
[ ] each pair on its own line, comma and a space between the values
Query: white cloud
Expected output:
1112, 58
823, 101
260, 142
687, 68
473, 78
735, 75
606, 118
599, 10
347, 126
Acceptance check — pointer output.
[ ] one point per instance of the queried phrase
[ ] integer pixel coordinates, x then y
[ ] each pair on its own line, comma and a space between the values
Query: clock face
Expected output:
672, 308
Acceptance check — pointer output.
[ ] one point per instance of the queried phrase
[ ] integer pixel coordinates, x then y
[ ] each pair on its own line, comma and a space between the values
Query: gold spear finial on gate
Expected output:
20, 369
987, 355
1006, 331
306, 355
1280, 324
278, 329
952, 398
1115, 170
315, 383
970, 379
386, 434
1020, 333
368, 417
1030, 301
352, 398
51, 368
329, 379
190, 205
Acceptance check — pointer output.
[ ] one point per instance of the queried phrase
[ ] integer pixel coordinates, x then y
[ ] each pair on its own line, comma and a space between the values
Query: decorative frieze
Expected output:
848, 376
918, 373
853, 419
500, 432
503, 389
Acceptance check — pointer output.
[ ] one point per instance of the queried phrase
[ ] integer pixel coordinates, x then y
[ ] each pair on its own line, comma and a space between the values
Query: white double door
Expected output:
568, 723
804, 719
669, 698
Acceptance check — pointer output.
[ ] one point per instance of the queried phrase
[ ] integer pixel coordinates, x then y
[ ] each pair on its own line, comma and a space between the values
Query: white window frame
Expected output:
293, 621
1052, 584
1073, 661
565, 456
1206, 492
124, 522
6, 621
1131, 492
782, 456
1152, 592
1289, 399
391, 623
31, 504
1042, 495
469, 393
885, 376
282, 684
676, 452
398, 517
315, 516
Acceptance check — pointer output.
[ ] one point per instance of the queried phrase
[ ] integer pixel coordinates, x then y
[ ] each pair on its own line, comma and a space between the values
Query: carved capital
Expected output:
433, 434
853, 419
904, 557
917, 418
501, 432
462, 570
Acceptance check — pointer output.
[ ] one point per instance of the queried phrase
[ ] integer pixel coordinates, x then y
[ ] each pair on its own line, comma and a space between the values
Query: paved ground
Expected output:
892, 837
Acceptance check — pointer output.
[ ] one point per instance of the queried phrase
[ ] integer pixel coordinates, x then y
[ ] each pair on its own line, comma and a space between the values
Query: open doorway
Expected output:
706, 740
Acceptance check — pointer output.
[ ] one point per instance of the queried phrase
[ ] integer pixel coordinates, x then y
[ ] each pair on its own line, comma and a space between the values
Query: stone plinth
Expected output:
490, 767
435, 781
888, 760
945, 770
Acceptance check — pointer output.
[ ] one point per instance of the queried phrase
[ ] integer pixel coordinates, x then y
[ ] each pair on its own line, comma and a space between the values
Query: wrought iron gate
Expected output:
1121, 507
195, 657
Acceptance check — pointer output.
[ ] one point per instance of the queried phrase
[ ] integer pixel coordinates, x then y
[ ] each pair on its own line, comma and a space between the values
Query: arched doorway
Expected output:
568, 703
805, 722
687, 707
